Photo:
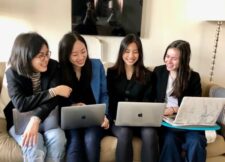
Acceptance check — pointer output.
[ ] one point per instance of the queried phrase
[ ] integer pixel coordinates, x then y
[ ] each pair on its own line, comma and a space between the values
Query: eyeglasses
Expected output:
43, 55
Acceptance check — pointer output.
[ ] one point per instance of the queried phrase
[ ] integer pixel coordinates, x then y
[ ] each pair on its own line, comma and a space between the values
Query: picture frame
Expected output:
107, 17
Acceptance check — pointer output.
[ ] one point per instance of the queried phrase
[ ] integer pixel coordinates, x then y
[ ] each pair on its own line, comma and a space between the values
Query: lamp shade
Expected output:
212, 10
206, 10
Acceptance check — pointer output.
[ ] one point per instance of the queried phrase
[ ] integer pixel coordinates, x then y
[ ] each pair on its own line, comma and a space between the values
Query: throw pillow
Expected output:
217, 91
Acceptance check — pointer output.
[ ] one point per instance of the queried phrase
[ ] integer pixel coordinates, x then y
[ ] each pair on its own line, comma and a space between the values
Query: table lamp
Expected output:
213, 11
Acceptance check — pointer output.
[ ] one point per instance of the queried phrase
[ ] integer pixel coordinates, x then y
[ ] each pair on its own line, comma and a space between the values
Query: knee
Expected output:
124, 134
92, 137
56, 138
197, 142
35, 155
37, 151
169, 139
149, 136
149, 133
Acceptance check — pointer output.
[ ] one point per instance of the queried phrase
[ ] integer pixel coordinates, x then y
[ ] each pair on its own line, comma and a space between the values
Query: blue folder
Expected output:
199, 128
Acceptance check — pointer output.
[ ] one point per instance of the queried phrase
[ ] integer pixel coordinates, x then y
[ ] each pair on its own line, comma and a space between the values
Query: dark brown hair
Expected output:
65, 50
183, 71
26, 46
139, 70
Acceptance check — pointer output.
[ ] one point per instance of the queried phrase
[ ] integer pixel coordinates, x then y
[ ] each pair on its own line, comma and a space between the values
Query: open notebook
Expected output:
145, 114
197, 111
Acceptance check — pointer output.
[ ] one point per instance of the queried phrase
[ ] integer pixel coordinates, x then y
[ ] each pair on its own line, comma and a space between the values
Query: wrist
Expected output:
35, 119
52, 92
174, 110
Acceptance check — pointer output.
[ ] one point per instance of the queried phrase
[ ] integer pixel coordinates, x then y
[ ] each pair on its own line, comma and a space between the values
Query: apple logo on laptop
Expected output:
83, 117
140, 115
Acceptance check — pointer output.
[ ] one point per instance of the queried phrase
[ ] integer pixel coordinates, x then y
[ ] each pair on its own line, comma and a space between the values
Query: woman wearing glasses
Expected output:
33, 85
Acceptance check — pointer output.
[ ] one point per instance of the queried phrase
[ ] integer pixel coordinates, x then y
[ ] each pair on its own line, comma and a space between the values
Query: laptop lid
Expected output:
199, 111
82, 116
143, 114
21, 119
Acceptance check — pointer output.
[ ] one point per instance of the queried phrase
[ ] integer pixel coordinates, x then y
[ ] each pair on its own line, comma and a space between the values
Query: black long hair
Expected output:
139, 68
65, 49
26, 46
184, 70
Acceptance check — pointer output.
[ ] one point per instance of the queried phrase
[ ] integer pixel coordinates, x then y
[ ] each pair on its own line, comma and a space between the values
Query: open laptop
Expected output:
21, 119
82, 116
197, 111
144, 114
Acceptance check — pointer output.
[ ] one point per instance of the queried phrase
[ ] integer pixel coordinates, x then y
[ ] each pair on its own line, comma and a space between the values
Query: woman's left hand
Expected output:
31, 132
105, 123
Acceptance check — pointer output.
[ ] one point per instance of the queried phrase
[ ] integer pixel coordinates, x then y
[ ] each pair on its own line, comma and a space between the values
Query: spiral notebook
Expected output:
197, 111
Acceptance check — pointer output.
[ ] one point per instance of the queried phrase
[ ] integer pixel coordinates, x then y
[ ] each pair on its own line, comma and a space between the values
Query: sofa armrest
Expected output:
2, 70
219, 91
3, 125
222, 130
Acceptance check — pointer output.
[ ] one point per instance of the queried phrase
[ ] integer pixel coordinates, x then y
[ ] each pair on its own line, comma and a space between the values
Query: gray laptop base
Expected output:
139, 114
82, 116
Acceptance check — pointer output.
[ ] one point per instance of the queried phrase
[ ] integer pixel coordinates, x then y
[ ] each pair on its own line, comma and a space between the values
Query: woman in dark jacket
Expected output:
33, 85
173, 81
129, 80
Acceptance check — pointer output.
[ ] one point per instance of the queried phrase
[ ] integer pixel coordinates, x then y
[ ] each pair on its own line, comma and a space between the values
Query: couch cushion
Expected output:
220, 158
2, 125
2, 70
217, 91
4, 97
108, 145
10, 150
216, 148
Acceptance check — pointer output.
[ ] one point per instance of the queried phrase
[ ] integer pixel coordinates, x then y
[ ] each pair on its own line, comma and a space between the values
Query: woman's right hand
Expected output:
30, 134
169, 111
62, 90
78, 104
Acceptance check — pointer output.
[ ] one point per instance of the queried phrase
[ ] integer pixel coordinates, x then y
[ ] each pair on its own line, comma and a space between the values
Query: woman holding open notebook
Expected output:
129, 80
173, 81
87, 78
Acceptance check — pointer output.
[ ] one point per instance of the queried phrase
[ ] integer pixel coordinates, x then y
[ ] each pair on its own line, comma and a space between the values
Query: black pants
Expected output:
124, 150
174, 141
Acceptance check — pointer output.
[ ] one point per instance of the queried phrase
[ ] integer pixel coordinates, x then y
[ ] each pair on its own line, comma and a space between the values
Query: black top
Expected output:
82, 91
121, 89
22, 97
160, 77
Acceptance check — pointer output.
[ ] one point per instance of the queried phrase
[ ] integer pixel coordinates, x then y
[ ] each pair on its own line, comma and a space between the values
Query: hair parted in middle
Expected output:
65, 50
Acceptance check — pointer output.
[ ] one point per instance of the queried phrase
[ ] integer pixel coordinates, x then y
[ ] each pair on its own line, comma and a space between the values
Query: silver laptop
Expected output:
82, 116
144, 114
197, 111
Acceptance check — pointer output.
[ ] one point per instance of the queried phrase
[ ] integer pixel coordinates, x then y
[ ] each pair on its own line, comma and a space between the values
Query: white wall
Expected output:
163, 21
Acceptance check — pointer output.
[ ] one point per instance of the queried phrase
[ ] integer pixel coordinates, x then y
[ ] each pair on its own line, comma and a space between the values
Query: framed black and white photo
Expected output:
107, 17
